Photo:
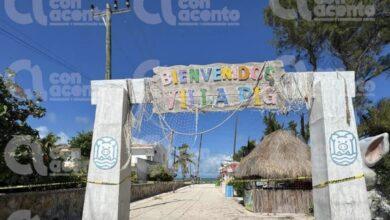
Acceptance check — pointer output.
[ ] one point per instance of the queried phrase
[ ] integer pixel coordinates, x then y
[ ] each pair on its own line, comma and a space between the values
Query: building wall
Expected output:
68, 203
60, 204
134, 159
141, 191
160, 155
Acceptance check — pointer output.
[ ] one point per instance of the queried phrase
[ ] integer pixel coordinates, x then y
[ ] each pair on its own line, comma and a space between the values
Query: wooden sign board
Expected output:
216, 87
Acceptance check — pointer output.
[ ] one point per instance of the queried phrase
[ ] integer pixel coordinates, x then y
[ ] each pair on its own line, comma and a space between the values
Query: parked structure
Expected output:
227, 171
280, 168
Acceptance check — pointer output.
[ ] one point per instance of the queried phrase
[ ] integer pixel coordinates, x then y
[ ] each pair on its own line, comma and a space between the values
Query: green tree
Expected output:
271, 123
183, 160
358, 45
305, 129
15, 109
82, 140
374, 122
244, 150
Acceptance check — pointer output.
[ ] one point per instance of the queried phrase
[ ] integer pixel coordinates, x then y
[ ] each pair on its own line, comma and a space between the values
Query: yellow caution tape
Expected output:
324, 184
275, 180
321, 185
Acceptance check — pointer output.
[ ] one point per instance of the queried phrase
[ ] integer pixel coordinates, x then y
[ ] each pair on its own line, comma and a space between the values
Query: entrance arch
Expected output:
336, 157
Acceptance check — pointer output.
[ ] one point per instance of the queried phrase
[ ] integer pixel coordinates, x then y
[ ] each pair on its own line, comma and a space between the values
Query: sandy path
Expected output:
197, 202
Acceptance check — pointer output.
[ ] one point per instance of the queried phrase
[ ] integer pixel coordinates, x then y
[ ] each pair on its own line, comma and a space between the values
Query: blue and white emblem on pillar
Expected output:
105, 155
343, 148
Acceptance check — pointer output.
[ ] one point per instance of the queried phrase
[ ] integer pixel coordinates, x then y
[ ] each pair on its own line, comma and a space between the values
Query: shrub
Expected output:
159, 173
133, 177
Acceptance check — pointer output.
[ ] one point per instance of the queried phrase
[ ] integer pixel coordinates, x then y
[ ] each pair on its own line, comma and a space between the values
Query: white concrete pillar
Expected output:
335, 153
108, 188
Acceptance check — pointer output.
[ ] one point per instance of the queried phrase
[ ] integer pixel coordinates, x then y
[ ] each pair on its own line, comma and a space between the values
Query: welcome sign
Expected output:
216, 87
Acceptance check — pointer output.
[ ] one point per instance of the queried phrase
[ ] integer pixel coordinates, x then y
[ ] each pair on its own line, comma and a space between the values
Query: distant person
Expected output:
174, 182
192, 180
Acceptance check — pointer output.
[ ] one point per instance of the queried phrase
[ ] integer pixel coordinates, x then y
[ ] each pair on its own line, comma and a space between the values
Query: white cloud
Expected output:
43, 131
64, 138
210, 162
81, 120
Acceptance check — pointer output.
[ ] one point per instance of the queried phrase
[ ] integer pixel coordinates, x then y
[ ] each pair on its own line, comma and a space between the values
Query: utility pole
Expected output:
174, 151
106, 17
200, 147
235, 137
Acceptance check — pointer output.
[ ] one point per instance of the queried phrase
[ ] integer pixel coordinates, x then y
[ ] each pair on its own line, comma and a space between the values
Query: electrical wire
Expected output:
43, 52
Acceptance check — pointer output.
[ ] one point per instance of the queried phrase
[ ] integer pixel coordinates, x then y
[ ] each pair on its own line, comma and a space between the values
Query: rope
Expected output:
127, 135
274, 180
318, 186
346, 99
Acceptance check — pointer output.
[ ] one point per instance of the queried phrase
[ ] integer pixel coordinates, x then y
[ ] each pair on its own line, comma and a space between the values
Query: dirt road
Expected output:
196, 202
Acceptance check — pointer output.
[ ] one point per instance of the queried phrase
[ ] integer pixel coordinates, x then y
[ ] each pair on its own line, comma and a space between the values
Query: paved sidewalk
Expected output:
197, 202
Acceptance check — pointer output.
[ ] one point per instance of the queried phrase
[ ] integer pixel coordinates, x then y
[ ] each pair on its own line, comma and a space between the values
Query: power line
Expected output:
42, 51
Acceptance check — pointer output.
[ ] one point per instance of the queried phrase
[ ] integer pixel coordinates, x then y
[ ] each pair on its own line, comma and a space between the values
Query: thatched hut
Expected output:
277, 174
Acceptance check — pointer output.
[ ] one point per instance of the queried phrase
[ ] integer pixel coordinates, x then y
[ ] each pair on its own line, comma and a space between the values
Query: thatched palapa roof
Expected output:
280, 155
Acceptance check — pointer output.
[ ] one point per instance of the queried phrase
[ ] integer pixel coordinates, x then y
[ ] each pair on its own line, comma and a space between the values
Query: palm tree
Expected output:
272, 124
183, 160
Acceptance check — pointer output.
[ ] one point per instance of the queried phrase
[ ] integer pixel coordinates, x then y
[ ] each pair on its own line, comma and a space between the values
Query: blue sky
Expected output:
139, 44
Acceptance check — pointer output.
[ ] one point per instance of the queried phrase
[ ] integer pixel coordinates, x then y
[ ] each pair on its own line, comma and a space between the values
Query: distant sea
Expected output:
204, 180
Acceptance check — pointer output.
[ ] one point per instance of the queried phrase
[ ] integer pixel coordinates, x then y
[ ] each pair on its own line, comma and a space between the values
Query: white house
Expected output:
226, 172
151, 152
145, 155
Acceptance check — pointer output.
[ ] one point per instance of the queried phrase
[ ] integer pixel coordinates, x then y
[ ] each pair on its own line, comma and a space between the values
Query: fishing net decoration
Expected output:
149, 126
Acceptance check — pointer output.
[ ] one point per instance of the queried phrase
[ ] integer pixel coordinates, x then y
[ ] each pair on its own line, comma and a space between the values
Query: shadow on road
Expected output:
159, 204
